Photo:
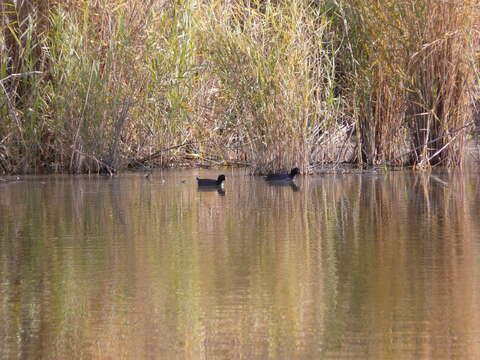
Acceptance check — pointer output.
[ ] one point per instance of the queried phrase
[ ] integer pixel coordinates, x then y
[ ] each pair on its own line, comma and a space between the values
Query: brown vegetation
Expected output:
99, 86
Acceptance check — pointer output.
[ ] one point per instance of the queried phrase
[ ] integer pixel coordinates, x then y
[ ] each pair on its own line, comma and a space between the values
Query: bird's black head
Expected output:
295, 171
220, 179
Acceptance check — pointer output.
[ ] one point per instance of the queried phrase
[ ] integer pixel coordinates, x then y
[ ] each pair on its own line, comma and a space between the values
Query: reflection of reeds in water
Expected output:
410, 269
374, 264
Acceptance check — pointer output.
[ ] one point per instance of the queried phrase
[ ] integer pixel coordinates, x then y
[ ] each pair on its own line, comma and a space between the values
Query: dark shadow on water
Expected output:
284, 184
217, 189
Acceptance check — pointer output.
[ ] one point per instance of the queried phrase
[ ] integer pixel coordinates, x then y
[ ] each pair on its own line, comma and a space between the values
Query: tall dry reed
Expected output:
410, 68
440, 77
116, 90
275, 71
99, 86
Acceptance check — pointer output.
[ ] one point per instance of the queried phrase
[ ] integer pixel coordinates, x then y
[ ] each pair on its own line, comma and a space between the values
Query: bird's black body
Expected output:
211, 182
283, 177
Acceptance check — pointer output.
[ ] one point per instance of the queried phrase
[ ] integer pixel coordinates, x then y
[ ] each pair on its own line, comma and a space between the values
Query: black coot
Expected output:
283, 177
211, 182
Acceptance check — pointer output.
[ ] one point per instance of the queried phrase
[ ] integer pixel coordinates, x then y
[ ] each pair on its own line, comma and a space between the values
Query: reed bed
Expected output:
440, 79
275, 73
411, 67
99, 86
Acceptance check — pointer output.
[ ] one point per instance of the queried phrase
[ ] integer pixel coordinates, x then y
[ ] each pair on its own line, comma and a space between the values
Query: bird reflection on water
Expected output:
219, 190
290, 184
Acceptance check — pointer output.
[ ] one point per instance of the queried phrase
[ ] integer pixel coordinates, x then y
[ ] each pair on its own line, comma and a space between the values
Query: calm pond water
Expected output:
371, 266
